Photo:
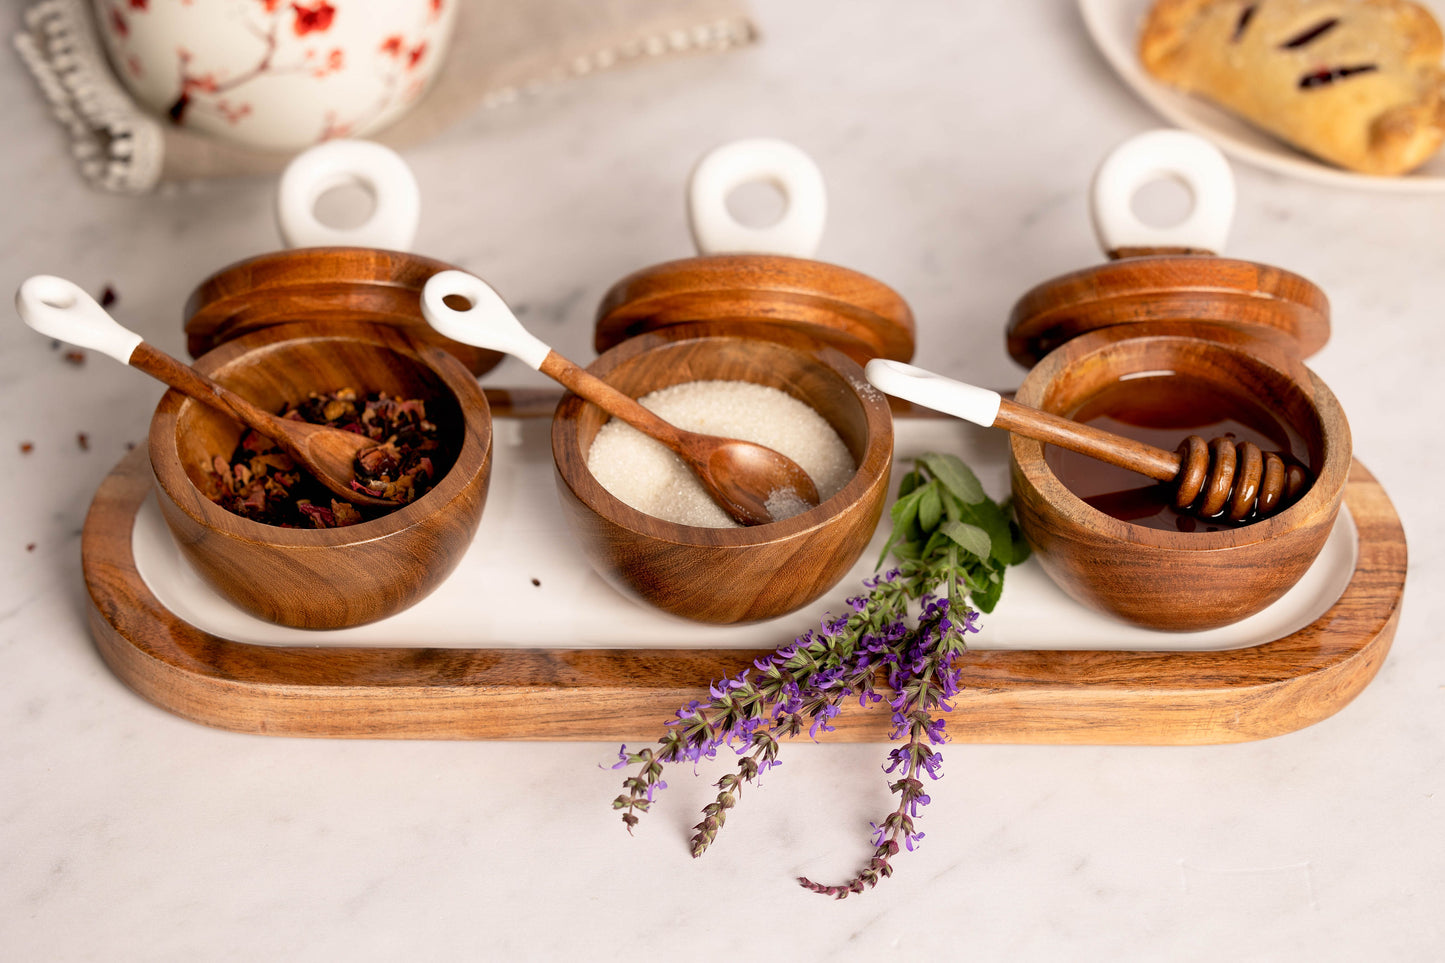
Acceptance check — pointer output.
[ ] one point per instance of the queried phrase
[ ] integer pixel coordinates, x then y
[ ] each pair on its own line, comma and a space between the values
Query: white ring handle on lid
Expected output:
777, 162
1177, 154
380, 170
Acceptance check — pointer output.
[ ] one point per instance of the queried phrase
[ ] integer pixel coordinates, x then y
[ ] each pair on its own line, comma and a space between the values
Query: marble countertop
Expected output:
957, 143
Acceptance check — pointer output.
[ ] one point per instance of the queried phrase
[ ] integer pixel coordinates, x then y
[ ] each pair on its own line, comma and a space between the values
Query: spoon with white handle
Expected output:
742, 477
61, 309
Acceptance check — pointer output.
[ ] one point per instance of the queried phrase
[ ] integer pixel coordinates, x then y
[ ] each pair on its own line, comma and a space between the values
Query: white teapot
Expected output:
277, 74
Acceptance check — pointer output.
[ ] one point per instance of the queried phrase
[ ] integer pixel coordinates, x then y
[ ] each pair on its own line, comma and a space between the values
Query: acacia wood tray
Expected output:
1008, 696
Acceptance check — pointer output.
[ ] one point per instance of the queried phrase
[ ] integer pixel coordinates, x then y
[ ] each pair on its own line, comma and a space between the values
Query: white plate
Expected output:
1114, 27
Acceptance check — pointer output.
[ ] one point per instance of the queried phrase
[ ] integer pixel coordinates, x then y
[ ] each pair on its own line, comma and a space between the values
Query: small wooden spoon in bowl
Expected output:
744, 478
60, 309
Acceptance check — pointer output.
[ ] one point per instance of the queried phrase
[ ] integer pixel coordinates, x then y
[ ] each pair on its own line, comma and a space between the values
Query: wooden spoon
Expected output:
1214, 479
741, 476
60, 309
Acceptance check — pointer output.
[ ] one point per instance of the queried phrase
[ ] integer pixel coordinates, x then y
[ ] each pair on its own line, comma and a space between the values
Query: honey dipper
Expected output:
1217, 479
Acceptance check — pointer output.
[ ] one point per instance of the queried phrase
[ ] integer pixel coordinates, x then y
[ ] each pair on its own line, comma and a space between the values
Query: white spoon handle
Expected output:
486, 323
969, 402
60, 309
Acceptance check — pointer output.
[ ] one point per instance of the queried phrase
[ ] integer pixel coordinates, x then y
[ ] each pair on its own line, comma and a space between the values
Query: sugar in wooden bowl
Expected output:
646, 475
733, 574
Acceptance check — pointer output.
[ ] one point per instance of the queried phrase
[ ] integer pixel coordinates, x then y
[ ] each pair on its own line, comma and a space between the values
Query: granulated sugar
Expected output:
650, 478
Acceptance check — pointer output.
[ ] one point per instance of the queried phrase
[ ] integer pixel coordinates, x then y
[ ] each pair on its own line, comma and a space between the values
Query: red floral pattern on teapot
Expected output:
277, 74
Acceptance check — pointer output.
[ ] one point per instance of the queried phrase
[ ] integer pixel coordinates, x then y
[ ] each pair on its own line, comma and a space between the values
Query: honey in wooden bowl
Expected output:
1164, 577
1160, 408
1164, 333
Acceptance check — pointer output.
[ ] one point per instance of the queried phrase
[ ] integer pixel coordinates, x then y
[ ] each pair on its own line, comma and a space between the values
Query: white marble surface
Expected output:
957, 141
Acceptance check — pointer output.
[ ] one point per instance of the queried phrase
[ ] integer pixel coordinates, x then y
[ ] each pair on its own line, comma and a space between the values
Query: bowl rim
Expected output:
876, 459
1325, 493
472, 456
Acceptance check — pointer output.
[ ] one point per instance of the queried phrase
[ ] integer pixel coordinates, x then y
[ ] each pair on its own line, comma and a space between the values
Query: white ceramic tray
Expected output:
523, 537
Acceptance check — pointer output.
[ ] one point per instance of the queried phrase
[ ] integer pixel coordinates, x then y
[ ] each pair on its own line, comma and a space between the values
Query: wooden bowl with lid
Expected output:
728, 575
315, 319
778, 319
335, 577
1165, 309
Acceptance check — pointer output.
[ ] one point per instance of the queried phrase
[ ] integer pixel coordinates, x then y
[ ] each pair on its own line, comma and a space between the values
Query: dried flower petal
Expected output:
262, 483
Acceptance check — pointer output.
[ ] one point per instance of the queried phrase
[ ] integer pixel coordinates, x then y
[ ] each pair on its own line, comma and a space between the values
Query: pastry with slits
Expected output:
1356, 83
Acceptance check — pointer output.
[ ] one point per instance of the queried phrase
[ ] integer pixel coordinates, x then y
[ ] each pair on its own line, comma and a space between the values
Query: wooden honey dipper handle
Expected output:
1220, 478
1106, 446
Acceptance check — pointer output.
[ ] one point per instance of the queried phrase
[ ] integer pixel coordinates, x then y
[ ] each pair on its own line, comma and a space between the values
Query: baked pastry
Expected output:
1357, 83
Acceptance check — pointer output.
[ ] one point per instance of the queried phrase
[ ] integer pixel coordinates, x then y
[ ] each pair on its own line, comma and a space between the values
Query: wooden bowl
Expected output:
331, 578
1176, 580
735, 574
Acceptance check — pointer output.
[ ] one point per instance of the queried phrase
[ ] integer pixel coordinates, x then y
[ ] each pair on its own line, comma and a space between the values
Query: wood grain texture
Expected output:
854, 313
728, 575
1081, 697
1267, 301
1179, 581
320, 284
326, 578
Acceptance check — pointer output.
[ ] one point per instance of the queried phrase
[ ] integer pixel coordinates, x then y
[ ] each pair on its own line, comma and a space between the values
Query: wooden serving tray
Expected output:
1008, 696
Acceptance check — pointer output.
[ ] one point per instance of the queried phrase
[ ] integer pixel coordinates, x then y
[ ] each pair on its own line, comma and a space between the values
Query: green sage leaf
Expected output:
988, 516
957, 477
968, 537
930, 508
987, 596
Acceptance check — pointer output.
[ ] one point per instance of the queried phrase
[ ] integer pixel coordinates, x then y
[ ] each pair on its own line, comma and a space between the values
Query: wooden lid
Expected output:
1267, 301
365, 285
854, 313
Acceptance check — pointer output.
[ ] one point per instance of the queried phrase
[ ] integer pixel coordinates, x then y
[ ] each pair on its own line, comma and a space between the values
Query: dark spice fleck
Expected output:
107, 297
76, 358
83, 440
260, 482
537, 582
26, 447
130, 446
30, 547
